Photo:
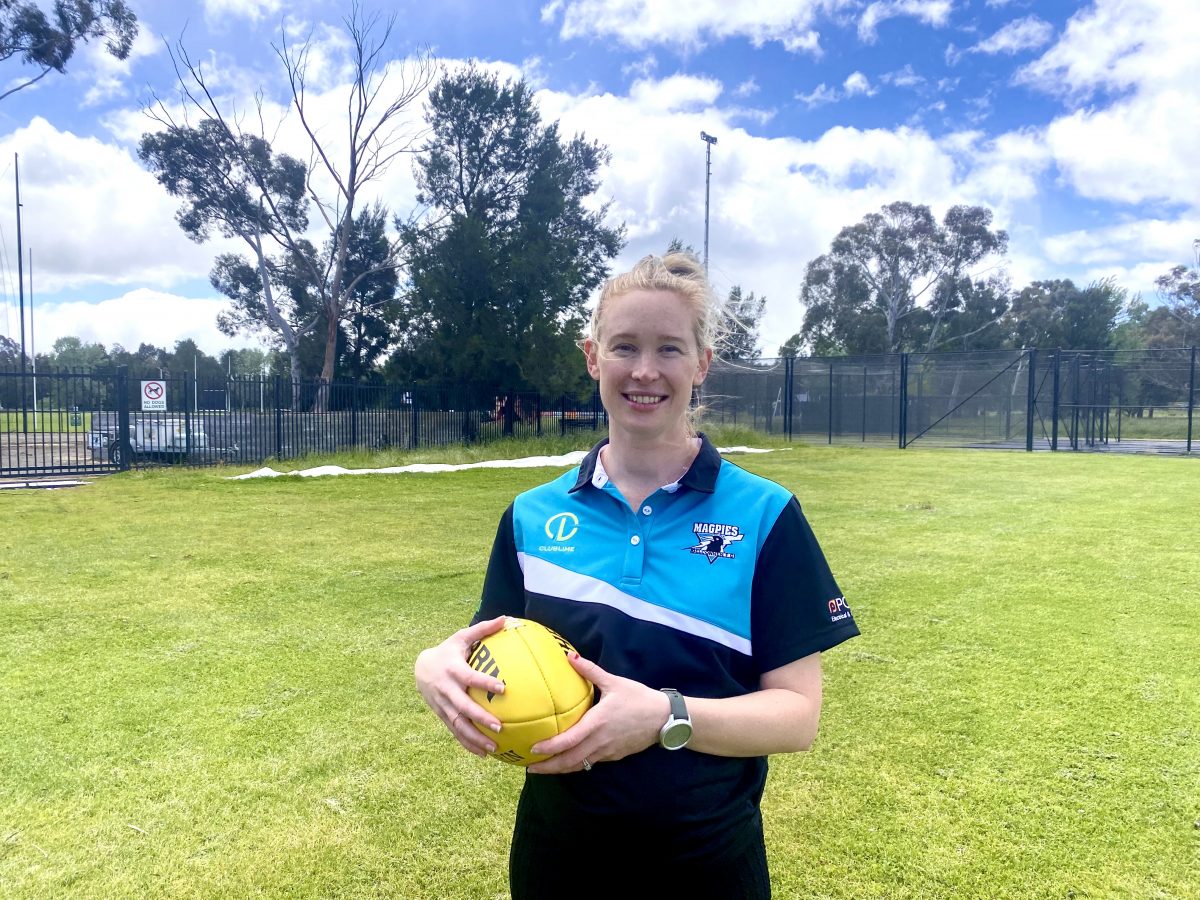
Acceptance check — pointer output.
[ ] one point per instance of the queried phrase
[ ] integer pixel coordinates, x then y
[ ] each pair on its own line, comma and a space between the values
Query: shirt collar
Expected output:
700, 476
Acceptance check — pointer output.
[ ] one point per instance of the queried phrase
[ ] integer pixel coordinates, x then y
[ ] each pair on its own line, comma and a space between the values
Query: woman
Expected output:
699, 601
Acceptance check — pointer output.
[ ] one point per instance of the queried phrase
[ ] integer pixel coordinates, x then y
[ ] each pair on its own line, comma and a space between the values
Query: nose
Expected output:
645, 367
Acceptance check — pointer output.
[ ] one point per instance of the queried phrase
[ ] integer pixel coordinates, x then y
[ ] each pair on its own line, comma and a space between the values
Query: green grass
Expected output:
45, 421
206, 685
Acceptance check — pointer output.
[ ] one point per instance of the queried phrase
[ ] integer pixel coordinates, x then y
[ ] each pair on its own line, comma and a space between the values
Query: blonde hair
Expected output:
681, 274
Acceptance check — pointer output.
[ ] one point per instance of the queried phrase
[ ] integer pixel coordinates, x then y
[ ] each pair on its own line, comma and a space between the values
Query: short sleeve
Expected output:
504, 584
797, 607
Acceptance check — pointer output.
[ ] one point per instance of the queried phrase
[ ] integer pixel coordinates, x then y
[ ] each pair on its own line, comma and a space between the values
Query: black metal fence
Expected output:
59, 423
1131, 400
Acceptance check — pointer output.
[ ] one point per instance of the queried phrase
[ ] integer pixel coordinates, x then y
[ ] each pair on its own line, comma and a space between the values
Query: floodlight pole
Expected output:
709, 140
21, 290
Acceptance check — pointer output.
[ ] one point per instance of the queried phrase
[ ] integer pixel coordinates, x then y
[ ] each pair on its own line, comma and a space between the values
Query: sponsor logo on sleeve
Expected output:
839, 609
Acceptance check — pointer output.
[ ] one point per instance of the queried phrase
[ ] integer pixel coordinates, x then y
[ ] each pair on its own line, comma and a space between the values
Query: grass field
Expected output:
206, 685
45, 421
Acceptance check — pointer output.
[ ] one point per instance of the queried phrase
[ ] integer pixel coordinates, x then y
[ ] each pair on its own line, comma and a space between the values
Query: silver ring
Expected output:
587, 766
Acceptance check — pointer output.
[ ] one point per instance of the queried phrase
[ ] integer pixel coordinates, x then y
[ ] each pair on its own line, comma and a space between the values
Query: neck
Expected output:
648, 463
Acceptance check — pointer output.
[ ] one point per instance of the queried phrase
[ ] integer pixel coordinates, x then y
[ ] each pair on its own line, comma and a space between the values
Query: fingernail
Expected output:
491, 748
572, 655
498, 687
496, 728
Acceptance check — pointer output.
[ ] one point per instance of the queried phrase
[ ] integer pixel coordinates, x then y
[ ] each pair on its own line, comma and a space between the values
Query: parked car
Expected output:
163, 440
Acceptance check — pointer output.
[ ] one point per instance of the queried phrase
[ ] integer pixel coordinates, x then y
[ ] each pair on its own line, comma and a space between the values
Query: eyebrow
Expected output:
665, 338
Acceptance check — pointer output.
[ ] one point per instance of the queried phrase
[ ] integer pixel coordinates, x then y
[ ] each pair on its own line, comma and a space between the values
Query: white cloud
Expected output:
1143, 145
1162, 240
857, 83
930, 12
139, 316
1018, 35
746, 88
105, 75
220, 11
819, 96
903, 78
642, 68
676, 92
93, 215
643, 23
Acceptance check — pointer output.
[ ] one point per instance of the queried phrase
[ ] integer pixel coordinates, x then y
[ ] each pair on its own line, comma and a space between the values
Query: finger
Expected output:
480, 630
467, 710
589, 670
558, 765
565, 742
470, 737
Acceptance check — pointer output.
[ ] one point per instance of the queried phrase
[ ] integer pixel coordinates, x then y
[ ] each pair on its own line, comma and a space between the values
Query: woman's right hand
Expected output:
443, 677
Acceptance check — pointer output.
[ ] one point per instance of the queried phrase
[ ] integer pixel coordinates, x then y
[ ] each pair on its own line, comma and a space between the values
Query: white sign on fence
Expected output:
154, 396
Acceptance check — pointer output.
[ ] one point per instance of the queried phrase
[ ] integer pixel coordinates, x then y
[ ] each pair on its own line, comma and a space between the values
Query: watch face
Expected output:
676, 735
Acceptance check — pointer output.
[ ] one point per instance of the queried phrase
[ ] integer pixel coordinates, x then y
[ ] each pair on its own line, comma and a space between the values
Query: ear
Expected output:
702, 366
591, 350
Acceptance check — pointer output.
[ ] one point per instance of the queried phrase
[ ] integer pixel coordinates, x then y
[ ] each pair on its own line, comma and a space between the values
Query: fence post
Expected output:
1031, 400
414, 438
124, 445
830, 428
1191, 398
354, 415
187, 422
789, 394
1054, 401
278, 418
903, 400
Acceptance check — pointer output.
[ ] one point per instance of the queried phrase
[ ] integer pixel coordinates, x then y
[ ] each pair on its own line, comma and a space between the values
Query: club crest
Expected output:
714, 540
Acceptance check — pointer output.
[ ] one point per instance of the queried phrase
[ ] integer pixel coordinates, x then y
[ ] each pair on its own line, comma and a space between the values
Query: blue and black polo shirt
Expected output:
711, 582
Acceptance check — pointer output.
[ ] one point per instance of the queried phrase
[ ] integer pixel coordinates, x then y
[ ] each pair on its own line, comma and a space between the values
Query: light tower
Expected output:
709, 140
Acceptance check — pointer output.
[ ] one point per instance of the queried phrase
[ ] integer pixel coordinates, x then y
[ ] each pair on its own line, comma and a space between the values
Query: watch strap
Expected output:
678, 707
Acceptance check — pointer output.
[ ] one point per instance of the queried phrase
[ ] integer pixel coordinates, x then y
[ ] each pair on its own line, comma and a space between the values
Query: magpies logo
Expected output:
714, 540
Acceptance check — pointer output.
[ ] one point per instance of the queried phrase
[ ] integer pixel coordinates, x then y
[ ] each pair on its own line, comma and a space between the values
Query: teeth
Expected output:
643, 398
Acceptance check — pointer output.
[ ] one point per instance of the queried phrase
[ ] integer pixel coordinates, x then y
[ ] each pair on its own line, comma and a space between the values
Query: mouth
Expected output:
646, 400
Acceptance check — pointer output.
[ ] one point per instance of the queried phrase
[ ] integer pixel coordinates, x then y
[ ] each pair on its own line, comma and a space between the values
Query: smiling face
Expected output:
647, 361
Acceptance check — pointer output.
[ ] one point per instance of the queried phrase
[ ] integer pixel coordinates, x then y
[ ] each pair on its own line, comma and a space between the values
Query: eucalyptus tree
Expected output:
47, 42
276, 196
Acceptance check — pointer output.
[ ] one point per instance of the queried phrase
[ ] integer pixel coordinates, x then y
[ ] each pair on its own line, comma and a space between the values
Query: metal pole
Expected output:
709, 140
1191, 399
903, 400
1031, 404
21, 291
32, 342
1055, 401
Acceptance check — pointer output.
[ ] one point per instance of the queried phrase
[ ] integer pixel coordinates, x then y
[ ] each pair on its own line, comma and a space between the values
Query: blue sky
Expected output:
1078, 124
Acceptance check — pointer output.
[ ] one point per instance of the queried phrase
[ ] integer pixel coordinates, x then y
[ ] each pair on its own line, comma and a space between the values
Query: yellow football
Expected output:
543, 696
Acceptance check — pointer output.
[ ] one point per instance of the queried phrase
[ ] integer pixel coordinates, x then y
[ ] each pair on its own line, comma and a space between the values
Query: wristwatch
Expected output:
678, 730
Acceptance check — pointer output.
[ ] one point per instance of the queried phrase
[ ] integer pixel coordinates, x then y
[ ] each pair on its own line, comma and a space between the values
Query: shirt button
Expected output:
646, 510
635, 540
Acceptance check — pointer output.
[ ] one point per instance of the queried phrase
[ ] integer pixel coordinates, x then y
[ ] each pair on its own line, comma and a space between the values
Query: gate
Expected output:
45, 420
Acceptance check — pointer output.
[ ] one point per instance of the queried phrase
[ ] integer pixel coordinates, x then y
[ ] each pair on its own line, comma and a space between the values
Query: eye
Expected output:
622, 348
670, 349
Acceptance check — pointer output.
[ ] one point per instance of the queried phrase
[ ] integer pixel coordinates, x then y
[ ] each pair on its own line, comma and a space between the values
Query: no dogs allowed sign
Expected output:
154, 396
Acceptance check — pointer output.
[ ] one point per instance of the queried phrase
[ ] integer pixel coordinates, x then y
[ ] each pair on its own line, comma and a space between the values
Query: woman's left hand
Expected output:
626, 719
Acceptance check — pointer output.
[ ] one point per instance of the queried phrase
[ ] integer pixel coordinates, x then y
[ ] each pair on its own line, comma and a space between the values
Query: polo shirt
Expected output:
712, 581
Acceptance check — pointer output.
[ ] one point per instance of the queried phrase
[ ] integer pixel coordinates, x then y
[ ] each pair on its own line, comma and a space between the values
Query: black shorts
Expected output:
549, 864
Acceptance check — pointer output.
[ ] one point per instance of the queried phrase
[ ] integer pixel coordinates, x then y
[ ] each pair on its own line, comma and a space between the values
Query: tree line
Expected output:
900, 281
488, 281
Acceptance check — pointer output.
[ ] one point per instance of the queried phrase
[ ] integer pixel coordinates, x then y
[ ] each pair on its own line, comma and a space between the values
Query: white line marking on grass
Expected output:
527, 462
